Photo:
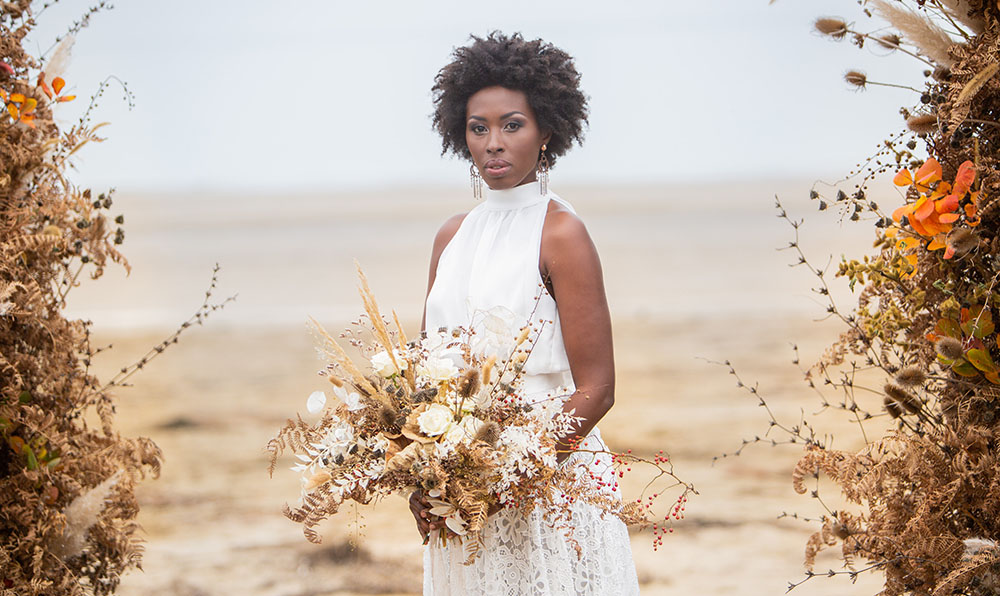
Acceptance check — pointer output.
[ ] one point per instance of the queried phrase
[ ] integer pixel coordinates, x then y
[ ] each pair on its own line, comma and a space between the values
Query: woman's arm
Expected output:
569, 262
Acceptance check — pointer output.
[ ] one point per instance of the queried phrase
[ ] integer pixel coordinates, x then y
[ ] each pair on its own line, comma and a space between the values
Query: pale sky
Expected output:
306, 95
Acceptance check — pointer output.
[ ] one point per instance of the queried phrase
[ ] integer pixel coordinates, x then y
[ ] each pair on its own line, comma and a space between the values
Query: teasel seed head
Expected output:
468, 385
911, 376
856, 78
889, 41
909, 402
962, 241
923, 123
831, 26
892, 407
387, 415
336, 382
949, 347
489, 433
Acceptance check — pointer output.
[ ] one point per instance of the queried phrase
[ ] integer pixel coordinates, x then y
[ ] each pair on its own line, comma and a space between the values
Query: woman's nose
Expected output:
494, 144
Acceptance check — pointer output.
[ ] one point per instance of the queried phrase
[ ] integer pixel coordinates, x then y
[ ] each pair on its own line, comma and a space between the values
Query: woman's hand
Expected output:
420, 509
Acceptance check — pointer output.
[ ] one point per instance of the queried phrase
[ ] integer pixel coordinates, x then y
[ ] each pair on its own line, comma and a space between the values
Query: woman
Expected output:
513, 107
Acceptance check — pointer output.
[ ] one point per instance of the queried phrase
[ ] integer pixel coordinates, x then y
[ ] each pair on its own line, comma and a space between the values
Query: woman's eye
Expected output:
477, 129
513, 125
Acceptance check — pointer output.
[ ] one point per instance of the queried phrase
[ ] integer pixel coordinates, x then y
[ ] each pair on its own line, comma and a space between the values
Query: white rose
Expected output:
438, 369
464, 431
383, 364
435, 420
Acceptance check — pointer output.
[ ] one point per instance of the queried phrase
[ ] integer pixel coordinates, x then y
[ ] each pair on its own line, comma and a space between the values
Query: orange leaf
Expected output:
965, 177
903, 178
29, 105
923, 209
908, 243
43, 86
911, 259
3, 95
65, 98
947, 204
919, 228
28, 119
57, 85
14, 113
935, 244
928, 173
898, 214
892, 232
948, 218
17, 97
949, 253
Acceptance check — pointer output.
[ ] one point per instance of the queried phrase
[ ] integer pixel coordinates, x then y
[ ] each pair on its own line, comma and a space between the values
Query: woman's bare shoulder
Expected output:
563, 226
447, 231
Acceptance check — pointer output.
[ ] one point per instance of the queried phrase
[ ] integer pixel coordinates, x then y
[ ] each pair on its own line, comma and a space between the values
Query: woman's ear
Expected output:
547, 138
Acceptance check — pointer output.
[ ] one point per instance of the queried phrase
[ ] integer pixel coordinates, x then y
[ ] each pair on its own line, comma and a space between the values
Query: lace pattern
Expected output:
525, 555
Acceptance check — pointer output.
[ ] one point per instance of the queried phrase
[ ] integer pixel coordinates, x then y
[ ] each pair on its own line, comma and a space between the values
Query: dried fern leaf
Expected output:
962, 104
961, 576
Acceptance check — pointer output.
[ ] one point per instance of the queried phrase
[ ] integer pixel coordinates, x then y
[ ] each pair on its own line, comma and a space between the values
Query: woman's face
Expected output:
503, 136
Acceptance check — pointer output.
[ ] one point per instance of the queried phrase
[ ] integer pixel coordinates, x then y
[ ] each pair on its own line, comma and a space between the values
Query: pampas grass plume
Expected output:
923, 123
832, 26
911, 376
949, 347
81, 515
917, 29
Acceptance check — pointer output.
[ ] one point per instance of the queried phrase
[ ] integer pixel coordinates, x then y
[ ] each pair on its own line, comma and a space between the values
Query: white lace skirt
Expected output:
523, 555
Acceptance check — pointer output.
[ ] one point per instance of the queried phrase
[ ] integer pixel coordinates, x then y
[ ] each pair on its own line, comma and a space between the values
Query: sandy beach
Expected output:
692, 274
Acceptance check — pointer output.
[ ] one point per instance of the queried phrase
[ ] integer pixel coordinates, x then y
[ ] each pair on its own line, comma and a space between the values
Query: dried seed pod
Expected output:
856, 78
911, 376
892, 407
922, 123
962, 241
831, 26
949, 348
489, 433
909, 402
468, 385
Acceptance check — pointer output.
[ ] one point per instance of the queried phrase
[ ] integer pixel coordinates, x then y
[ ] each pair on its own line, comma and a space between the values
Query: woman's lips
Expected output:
497, 167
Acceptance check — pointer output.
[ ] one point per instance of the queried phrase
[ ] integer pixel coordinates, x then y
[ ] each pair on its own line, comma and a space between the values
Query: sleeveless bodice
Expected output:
491, 262
487, 280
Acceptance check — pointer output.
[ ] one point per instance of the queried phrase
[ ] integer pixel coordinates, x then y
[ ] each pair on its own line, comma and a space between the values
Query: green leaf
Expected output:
949, 327
992, 378
962, 367
32, 460
980, 323
981, 360
53, 462
25, 397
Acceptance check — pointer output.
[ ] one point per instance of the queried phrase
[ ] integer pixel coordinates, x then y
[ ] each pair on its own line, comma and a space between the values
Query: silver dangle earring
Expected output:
477, 182
543, 173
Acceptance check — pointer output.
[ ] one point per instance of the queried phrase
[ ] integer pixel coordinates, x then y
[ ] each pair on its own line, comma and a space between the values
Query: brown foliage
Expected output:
50, 457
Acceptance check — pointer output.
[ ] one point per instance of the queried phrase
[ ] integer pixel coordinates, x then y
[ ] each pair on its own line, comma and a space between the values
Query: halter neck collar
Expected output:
514, 198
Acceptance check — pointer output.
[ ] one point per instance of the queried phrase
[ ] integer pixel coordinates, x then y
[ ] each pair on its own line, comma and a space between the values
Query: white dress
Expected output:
493, 261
